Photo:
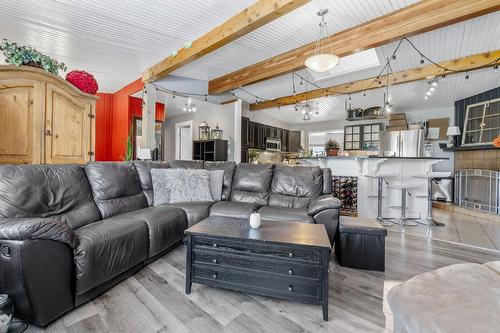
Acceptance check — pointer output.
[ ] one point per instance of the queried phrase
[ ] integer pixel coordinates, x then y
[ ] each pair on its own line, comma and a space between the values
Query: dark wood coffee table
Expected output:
280, 259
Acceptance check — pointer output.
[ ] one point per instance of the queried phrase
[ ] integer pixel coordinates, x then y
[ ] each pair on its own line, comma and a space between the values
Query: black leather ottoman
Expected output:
360, 244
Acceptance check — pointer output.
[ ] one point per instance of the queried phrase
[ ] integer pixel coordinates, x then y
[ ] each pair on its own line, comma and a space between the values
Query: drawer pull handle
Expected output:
214, 244
290, 271
290, 288
214, 276
290, 254
214, 260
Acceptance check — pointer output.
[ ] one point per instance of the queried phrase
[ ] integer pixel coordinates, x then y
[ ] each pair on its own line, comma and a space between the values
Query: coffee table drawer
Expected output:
272, 265
249, 246
271, 284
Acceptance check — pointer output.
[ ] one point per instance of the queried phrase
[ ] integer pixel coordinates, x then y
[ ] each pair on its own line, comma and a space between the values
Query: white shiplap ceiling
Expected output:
117, 40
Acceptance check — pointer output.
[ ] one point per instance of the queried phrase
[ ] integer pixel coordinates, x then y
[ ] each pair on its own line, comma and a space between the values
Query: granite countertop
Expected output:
328, 157
363, 157
411, 158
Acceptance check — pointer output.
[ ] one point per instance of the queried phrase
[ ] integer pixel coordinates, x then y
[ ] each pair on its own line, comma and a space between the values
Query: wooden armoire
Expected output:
44, 119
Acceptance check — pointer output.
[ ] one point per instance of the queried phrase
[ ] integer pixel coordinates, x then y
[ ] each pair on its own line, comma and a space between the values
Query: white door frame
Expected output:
188, 123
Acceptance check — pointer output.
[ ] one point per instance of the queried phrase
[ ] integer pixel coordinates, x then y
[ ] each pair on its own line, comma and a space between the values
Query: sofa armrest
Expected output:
37, 229
323, 202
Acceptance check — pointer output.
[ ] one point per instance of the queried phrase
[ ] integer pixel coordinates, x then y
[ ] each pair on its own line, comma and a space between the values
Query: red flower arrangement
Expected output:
83, 81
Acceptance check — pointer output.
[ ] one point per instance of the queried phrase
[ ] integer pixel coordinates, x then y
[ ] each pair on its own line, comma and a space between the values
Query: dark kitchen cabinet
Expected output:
244, 131
244, 155
253, 135
285, 139
294, 141
259, 136
267, 131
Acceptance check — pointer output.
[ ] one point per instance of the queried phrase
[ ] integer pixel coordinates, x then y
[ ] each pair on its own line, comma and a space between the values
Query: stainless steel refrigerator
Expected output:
408, 143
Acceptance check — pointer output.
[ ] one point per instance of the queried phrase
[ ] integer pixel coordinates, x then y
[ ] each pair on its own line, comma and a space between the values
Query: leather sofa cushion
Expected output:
327, 181
228, 168
144, 171
252, 183
166, 225
234, 209
116, 188
108, 248
295, 186
361, 226
182, 164
195, 211
284, 214
61, 192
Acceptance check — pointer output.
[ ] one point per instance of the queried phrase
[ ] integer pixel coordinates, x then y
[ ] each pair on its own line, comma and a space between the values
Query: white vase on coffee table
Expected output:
255, 220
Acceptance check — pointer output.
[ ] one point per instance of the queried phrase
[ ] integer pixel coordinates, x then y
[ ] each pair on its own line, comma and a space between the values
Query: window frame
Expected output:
485, 104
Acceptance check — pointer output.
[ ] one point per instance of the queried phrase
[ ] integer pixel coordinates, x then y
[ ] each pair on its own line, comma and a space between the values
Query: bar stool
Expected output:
429, 221
403, 221
380, 182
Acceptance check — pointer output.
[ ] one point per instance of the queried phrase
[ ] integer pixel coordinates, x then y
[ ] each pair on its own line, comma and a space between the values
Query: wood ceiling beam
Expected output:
465, 64
412, 20
248, 20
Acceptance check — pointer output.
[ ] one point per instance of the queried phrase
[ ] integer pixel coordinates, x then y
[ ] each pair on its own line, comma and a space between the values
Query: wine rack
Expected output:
346, 189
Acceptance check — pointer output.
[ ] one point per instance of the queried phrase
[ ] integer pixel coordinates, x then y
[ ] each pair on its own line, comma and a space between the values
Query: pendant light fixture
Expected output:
189, 106
387, 104
322, 62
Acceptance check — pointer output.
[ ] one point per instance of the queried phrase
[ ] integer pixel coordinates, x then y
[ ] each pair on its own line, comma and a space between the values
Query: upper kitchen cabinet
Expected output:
46, 119
245, 129
294, 145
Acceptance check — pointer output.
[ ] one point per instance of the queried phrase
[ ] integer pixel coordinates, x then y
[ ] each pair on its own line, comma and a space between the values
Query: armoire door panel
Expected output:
16, 117
67, 128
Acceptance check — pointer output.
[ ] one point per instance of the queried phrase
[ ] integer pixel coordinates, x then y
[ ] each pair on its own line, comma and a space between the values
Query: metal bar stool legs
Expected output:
403, 221
429, 221
380, 193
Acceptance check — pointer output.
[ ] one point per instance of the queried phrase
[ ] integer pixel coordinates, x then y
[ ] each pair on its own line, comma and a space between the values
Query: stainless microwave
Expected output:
273, 144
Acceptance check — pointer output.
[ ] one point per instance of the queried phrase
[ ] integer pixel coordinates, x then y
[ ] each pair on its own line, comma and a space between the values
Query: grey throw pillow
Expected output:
216, 181
180, 185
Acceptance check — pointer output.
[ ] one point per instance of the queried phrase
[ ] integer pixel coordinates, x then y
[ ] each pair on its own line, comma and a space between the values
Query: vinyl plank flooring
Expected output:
183, 308
471, 233
492, 230
211, 300
90, 324
153, 300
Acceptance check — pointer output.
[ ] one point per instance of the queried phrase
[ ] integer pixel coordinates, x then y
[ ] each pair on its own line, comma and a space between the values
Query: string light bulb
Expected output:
467, 77
495, 68
422, 61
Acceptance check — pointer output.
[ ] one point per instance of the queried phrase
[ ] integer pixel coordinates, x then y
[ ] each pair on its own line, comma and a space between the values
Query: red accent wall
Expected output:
114, 116
135, 109
120, 126
103, 123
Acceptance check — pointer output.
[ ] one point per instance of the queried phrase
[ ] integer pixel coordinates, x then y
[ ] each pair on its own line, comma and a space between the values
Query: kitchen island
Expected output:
411, 173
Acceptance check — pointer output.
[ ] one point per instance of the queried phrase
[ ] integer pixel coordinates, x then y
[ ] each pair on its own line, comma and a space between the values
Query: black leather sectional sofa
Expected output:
68, 233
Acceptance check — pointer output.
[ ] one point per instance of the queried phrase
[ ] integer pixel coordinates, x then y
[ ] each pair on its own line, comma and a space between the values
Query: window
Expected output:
362, 137
352, 138
482, 123
371, 137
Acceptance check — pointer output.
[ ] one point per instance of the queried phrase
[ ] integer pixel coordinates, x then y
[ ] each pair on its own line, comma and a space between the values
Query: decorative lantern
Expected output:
204, 131
216, 133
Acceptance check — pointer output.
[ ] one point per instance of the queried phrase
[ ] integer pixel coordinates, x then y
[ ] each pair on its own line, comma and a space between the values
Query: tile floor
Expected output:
459, 228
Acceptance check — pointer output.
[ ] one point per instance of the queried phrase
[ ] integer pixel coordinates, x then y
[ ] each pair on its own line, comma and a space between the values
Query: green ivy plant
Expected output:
26, 55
